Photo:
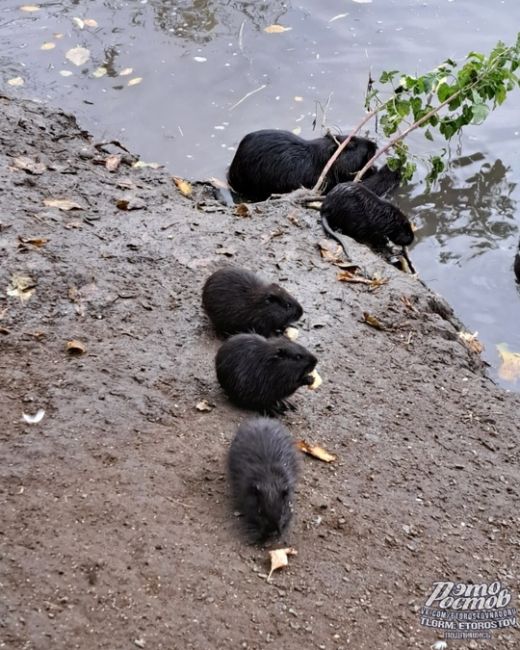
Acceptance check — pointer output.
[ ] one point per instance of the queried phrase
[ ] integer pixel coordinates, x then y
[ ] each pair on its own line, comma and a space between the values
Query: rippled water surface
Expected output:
203, 73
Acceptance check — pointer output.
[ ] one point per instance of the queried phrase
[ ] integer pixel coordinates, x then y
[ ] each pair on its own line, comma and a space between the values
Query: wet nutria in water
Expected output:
354, 210
275, 162
237, 300
263, 468
517, 264
259, 373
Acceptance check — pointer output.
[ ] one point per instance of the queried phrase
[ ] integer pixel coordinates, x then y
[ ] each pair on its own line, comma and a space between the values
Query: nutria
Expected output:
382, 181
275, 162
263, 468
237, 300
517, 264
259, 373
354, 210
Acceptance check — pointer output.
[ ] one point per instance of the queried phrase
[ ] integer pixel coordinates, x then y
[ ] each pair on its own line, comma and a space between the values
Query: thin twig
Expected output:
248, 95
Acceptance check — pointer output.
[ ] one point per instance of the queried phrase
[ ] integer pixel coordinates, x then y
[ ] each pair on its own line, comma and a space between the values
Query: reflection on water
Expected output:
197, 59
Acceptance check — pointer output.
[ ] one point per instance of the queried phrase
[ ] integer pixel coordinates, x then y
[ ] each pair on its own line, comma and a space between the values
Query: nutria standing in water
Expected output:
237, 300
262, 469
259, 374
276, 162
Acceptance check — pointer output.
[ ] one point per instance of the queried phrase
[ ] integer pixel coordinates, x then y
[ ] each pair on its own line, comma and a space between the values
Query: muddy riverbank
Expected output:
116, 529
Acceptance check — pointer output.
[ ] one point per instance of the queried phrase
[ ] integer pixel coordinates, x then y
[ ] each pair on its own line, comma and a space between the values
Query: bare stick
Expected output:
248, 95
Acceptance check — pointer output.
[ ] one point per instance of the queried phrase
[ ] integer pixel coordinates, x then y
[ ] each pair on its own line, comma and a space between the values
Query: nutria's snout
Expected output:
307, 379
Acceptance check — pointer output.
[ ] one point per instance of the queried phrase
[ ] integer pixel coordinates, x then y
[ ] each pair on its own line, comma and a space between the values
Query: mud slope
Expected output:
116, 530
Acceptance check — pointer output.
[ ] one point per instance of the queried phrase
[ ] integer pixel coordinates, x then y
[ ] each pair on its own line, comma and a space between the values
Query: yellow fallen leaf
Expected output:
134, 81
16, 81
21, 286
37, 241
316, 451
62, 204
509, 369
99, 72
471, 341
373, 321
183, 186
48, 46
90, 22
78, 55
125, 72
113, 162
297, 130
141, 164
30, 8
317, 381
276, 29
291, 333
280, 559
75, 347
242, 210
351, 276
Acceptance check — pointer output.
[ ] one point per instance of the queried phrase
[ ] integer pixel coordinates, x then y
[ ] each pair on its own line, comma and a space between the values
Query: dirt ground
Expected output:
116, 529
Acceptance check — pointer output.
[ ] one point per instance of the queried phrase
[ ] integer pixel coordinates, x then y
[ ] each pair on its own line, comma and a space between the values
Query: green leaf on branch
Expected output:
480, 112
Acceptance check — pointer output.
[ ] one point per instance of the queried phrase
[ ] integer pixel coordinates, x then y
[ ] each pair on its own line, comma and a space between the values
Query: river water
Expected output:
199, 74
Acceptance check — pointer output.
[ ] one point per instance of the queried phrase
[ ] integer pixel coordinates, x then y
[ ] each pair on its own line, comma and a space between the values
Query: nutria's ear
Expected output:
282, 353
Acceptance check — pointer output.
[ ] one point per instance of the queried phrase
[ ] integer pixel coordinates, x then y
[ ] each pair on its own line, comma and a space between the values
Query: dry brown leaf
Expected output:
29, 165
330, 252
408, 303
75, 347
242, 210
280, 559
216, 182
21, 286
351, 276
113, 162
183, 186
204, 406
62, 204
78, 55
130, 204
38, 242
276, 29
373, 321
316, 451
509, 369
471, 341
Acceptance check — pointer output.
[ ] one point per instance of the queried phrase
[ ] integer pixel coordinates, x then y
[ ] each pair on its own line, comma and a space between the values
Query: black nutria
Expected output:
263, 468
382, 181
275, 162
517, 264
354, 210
237, 300
259, 373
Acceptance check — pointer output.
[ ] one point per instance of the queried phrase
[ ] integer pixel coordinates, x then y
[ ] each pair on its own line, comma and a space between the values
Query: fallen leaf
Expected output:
75, 347
58, 35
317, 381
291, 333
134, 81
78, 22
280, 559
183, 186
216, 182
62, 204
242, 210
133, 203
66, 73
200, 59
90, 22
297, 98
78, 55
34, 419
22, 286
113, 162
351, 276
125, 72
408, 303
99, 72
316, 451
16, 81
141, 164
30, 8
29, 165
330, 252
297, 130
4, 330
373, 321
471, 341
276, 29
48, 46
509, 369
204, 406
38, 242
